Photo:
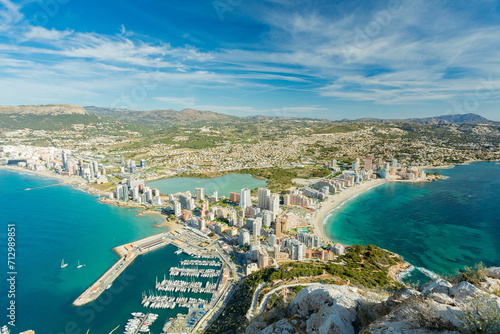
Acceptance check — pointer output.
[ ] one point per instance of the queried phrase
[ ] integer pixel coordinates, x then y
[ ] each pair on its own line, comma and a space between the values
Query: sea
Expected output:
59, 222
438, 226
223, 184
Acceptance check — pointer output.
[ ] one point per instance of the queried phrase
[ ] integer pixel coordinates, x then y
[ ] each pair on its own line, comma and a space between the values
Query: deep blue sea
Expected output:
59, 222
440, 226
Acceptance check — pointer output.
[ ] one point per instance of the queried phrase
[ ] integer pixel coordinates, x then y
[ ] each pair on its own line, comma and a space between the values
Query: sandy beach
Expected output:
63, 179
337, 199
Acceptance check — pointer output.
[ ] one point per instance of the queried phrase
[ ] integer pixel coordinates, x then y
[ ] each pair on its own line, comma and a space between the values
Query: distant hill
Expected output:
49, 109
168, 116
283, 118
445, 119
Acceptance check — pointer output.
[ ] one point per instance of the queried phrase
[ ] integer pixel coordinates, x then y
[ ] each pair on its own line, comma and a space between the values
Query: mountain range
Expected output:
160, 116
186, 116
445, 119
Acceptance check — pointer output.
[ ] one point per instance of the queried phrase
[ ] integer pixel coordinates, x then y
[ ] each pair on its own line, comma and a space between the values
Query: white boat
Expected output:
63, 265
79, 265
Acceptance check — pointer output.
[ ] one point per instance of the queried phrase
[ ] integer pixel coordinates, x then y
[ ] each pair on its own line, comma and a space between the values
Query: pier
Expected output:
127, 253
185, 239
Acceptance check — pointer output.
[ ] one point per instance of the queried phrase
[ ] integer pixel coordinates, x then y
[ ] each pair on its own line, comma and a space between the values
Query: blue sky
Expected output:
328, 59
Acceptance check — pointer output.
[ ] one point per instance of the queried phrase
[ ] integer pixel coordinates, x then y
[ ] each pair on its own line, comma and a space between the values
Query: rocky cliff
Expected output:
437, 307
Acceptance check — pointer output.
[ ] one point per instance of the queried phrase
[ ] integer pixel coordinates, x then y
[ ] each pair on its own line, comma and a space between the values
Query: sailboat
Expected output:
79, 265
63, 265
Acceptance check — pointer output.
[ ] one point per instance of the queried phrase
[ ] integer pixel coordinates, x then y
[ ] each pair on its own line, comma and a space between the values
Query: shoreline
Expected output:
64, 179
79, 184
337, 200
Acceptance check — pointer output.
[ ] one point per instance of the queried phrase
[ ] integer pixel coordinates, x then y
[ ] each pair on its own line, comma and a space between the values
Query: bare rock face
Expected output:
329, 308
439, 307
323, 309
283, 326
491, 285
493, 272
439, 285
49, 109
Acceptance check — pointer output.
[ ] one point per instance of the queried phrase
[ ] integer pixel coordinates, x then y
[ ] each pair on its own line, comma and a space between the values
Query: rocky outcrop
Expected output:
493, 272
437, 307
330, 308
49, 109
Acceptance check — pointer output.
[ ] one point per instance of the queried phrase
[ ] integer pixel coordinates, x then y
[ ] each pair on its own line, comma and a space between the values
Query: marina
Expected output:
200, 263
185, 239
194, 272
195, 284
184, 286
154, 301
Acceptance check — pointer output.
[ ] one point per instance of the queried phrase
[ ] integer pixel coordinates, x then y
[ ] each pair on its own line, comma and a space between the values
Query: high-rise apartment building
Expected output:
245, 200
263, 198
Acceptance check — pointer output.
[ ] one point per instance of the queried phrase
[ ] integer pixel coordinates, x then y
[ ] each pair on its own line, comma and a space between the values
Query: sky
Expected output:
303, 58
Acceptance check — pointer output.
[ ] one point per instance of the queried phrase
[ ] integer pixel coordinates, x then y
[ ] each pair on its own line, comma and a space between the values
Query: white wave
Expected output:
402, 275
429, 273
326, 218
446, 177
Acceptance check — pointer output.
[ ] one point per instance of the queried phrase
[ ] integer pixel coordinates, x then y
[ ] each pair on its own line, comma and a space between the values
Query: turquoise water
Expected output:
61, 222
440, 226
223, 184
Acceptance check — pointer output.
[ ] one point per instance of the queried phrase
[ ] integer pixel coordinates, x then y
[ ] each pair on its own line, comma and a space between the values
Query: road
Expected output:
268, 295
254, 301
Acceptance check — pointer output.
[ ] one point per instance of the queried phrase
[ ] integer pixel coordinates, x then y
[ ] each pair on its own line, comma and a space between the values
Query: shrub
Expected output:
481, 316
473, 275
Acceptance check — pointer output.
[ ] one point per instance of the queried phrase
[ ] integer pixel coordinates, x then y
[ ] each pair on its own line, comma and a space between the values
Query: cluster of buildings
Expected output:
260, 225
136, 191
61, 162
387, 170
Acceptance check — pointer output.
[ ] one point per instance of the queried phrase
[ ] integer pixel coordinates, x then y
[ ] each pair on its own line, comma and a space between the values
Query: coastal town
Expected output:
248, 230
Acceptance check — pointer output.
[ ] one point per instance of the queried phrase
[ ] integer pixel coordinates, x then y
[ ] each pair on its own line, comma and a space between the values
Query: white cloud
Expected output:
420, 52
9, 15
41, 33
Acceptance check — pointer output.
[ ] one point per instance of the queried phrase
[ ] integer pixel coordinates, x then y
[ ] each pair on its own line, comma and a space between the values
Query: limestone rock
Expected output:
280, 327
490, 285
442, 298
332, 309
493, 272
464, 290
439, 285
